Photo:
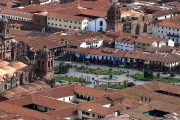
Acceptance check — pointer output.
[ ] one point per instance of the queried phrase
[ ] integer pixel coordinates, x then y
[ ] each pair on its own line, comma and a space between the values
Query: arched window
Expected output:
101, 23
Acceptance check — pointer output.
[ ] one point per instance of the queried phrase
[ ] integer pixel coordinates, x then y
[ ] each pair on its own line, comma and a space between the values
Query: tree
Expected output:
158, 75
172, 74
148, 74
125, 83
63, 68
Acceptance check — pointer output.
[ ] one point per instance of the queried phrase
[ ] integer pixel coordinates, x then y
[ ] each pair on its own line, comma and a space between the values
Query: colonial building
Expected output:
5, 41
128, 42
127, 20
154, 100
168, 28
63, 21
23, 67
142, 60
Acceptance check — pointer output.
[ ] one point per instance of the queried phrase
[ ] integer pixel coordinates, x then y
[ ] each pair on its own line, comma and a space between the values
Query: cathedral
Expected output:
19, 65
124, 19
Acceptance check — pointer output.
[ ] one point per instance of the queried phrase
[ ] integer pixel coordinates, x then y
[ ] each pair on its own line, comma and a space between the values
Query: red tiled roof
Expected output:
64, 16
166, 12
173, 22
16, 13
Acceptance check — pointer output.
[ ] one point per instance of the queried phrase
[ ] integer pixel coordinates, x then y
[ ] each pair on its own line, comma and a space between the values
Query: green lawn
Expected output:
56, 70
98, 71
112, 86
71, 79
170, 80
140, 77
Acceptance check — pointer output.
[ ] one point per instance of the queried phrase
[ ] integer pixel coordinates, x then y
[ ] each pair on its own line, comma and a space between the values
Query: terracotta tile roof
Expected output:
39, 42
148, 91
40, 100
16, 13
171, 58
73, 37
58, 92
133, 38
65, 16
10, 108
70, 90
166, 12
101, 51
95, 108
80, 11
89, 91
63, 113
173, 22
174, 3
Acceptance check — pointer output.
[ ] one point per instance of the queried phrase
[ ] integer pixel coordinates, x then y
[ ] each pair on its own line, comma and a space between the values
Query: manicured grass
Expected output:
112, 86
56, 70
71, 79
170, 80
98, 71
140, 77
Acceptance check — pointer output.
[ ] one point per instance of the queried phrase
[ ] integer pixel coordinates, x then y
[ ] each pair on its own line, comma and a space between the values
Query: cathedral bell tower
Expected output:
44, 63
5, 40
114, 18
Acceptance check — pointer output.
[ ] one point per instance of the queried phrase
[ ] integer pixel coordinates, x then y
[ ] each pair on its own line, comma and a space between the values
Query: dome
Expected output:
17, 65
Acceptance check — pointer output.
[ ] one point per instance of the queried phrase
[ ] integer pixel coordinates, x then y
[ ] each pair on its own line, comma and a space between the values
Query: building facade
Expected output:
127, 20
63, 21
18, 64
168, 28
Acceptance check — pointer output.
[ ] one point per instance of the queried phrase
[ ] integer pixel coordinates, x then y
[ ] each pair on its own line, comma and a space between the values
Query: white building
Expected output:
128, 42
168, 28
96, 19
125, 44
163, 14
64, 21
16, 15
92, 43
98, 24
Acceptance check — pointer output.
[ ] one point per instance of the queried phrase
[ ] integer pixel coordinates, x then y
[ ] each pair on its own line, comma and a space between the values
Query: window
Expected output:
93, 115
101, 23
83, 112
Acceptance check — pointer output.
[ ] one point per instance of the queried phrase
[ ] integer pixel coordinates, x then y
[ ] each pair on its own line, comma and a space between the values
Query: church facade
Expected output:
127, 20
19, 65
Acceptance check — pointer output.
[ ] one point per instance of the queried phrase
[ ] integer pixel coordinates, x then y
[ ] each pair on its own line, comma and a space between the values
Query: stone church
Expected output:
127, 20
19, 65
